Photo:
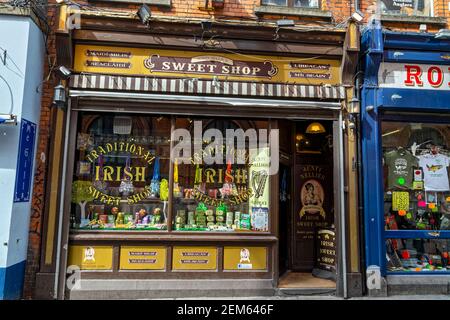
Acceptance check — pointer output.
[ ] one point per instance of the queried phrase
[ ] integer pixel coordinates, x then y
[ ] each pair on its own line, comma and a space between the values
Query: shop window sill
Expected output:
167, 236
413, 19
288, 11
161, 3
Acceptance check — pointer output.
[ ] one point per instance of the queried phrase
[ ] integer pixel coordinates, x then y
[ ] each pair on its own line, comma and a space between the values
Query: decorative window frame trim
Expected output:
161, 3
292, 11
386, 17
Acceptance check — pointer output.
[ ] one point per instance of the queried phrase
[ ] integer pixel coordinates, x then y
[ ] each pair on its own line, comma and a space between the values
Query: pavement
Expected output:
321, 297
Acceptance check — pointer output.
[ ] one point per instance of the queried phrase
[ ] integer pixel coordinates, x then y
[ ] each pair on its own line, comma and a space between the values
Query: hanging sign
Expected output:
192, 64
414, 76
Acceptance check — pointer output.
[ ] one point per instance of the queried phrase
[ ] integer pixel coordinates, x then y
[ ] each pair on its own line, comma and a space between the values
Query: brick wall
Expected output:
440, 9
38, 201
234, 9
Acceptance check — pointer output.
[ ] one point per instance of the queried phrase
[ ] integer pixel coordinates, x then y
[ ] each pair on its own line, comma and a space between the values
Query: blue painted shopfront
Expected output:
401, 104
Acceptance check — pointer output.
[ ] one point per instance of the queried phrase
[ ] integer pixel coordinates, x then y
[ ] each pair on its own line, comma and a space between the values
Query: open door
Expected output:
307, 235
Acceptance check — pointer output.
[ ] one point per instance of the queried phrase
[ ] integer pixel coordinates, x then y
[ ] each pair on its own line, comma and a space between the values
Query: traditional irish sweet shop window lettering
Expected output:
122, 170
226, 194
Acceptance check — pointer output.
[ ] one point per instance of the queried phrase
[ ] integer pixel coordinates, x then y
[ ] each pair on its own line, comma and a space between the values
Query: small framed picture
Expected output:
83, 168
84, 141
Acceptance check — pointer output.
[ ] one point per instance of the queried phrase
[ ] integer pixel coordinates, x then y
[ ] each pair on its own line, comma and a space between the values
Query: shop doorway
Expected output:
307, 235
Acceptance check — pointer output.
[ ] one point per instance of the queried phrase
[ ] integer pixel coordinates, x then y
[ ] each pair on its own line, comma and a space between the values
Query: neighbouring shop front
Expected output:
406, 149
146, 214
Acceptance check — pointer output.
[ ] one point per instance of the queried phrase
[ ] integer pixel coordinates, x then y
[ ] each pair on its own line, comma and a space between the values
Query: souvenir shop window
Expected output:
220, 196
416, 176
292, 3
121, 176
417, 255
407, 7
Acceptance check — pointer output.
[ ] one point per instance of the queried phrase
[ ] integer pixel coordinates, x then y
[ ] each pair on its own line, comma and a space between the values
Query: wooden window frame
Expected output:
289, 4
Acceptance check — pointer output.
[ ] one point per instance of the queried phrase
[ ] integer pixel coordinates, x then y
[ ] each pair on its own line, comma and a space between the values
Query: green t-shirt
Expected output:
400, 165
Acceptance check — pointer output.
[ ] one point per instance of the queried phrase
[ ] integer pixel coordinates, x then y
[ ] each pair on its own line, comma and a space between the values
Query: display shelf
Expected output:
120, 229
145, 201
417, 234
428, 273
165, 235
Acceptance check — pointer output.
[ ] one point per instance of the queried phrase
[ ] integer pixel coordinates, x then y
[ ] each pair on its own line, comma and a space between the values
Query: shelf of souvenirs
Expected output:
417, 234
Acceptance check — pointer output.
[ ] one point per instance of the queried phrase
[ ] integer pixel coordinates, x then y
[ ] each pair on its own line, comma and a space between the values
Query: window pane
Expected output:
407, 7
220, 195
307, 3
121, 174
417, 255
416, 176
275, 2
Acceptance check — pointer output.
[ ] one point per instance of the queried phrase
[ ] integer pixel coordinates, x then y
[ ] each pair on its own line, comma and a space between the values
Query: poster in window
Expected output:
402, 5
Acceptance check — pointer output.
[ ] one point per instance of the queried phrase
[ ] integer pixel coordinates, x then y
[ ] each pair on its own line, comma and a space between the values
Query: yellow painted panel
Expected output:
190, 64
91, 258
142, 258
245, 258
194, 258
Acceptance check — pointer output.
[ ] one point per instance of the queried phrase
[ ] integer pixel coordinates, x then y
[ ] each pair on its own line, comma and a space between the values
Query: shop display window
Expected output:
416, 195
416, 176
225, 196
121, 178
417, 255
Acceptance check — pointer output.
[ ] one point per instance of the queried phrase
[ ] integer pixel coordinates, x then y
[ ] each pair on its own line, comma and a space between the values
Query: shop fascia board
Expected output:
101, 37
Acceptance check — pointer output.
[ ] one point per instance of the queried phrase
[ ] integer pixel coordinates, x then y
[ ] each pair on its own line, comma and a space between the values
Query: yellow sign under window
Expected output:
91, 257
142, 258
194, 258
245, 258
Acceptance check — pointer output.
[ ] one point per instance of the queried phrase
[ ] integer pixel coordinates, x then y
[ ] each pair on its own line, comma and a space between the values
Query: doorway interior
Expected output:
307, 236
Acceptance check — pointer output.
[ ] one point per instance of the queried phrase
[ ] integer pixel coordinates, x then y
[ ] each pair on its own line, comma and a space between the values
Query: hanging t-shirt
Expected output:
435, 174
400, 168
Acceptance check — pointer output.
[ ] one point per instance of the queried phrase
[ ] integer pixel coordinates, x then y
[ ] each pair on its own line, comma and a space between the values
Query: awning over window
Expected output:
206, 87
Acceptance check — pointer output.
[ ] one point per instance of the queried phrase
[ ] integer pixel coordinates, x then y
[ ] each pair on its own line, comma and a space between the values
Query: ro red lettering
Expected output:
413, 74
431, 76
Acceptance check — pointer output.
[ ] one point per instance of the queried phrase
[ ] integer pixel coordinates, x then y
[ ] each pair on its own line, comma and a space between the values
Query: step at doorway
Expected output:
304, 283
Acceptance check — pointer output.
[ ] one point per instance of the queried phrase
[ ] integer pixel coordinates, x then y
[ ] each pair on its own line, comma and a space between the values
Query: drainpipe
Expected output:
61, 204
362, 260
342, 206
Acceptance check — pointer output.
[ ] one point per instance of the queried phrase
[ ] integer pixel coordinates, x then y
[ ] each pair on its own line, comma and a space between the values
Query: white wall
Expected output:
24, 43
